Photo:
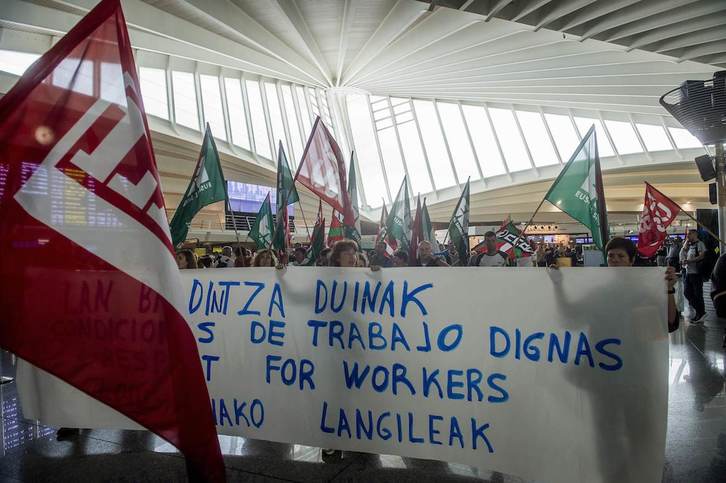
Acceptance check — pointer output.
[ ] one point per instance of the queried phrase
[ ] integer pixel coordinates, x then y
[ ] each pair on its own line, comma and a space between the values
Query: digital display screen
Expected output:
248, 198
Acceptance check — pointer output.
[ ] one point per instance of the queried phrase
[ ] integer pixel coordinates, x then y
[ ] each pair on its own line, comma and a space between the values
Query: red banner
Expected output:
322, 171
83, 228
659, 211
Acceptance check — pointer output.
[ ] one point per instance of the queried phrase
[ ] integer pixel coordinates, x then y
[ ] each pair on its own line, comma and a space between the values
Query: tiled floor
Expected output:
695, 451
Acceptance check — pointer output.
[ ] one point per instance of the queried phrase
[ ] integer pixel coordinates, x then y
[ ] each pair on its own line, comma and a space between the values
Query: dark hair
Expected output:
490, 233
693, 230
323, 259
338, 248
620, 243
205, 261
189, 255
300, 249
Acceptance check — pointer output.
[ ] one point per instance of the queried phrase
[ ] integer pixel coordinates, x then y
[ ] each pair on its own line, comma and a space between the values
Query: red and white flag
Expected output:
659, 211
90, 288
322, 170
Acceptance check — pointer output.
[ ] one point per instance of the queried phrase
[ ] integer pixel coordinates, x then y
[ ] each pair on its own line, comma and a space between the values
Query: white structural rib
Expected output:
403, 14
638, 18
232, 16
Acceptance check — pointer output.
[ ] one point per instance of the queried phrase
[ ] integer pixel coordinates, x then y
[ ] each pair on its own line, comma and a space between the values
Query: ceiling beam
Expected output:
528, 8
559, 10
710, 48
154, 30
592, 12
638, 18
403, 14
687, 26
242, 24
698, 37
291, 12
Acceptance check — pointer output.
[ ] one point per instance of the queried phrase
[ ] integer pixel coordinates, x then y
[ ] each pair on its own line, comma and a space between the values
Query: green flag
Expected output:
353, 232
317, 243
207, 186
261, 231
427, 229
398, 224
578, 190
459, 226
286, 195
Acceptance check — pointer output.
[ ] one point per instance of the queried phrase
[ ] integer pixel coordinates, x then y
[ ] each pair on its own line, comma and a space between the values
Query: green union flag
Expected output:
286, 195
353, 232
459, 226
427, 229
207, 186
398, 224
578, 190
261, 231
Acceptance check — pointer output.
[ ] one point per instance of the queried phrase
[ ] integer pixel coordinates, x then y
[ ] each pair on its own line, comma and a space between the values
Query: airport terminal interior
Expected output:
437, 99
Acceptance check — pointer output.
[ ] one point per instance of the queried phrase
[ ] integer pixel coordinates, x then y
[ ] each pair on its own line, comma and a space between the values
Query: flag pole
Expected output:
234, 223
526, 225
302, 212
705, 228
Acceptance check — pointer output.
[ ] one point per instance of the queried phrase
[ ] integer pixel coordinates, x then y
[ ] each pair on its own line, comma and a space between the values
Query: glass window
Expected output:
212, 105
16, 62
185, 99
684, 139
458, 141
603, 144
257, 114
153, 91
313, 102
626, 142
292, 124
484, 142
415, 161
515, 152
564, 134
391, 157
365, 148
434, 144
236, 108
535, 133
278, 129
74, 74
304, 111
654, 137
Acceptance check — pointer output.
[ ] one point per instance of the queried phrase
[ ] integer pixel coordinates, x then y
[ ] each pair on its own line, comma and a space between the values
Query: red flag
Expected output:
335, 232
322, 170
415, 234
659, 211
82, 226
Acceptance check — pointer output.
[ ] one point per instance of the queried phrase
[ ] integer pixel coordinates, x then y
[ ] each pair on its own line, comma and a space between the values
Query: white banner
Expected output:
550, 375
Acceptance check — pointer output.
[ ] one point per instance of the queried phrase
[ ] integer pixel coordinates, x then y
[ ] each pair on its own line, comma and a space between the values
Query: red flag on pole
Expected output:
322, 170
335, 232
659, 211
82, 225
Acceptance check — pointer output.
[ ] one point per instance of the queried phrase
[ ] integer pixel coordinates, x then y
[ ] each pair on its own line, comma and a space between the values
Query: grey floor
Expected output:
695, 450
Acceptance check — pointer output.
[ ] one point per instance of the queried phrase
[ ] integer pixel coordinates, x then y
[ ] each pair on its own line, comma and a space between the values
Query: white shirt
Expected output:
688, 252
496, 260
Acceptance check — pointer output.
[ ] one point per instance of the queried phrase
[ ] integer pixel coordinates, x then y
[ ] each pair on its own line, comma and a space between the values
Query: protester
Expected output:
185, 259
363, 260
540, 255
225, 260
718, 289
299, 255
265, 258
492, 257
344, 254
426, 257
242, 259
323, 259
381, 258
693, 252
205, 261
674, 259
400, 259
